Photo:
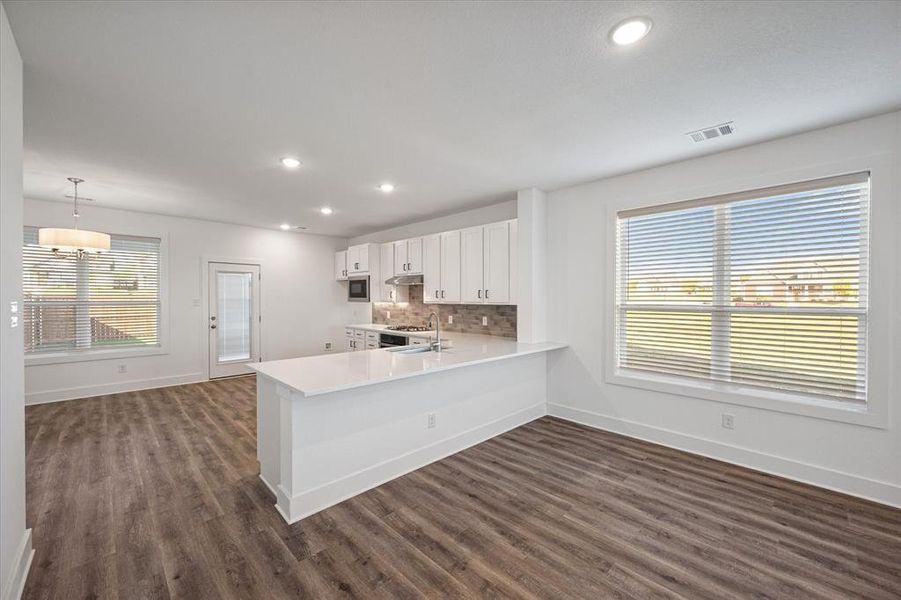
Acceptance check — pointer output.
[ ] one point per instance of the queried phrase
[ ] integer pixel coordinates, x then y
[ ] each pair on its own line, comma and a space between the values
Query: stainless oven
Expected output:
390, 340
358, 289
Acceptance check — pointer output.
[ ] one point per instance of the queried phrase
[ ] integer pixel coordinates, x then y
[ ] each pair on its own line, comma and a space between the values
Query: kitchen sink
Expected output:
408, 350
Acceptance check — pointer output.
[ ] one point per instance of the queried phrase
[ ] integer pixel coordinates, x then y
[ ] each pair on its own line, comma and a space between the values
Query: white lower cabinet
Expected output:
357, 339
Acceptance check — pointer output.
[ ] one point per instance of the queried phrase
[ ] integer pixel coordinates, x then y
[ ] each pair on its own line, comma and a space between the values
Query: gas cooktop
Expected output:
408, 328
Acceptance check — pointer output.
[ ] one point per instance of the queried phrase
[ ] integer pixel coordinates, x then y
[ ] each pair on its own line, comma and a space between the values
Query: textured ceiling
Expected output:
184, 108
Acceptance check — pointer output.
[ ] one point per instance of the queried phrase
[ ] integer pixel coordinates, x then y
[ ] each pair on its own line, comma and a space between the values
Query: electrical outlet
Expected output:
484, 321
123, 368
328, 345
450, 319
728, 421
432, 420
387, 314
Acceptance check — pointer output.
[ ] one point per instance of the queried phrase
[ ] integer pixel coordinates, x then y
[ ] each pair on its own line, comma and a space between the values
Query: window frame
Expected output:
75, 356
879, 346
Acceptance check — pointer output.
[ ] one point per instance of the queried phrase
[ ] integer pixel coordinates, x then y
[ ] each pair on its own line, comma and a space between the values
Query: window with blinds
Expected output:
765, 289
102, 301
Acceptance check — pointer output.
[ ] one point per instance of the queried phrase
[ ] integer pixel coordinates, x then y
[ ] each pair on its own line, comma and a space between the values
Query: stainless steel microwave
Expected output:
358, 289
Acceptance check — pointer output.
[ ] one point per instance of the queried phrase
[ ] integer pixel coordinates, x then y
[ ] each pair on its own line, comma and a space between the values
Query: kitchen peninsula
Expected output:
335, 425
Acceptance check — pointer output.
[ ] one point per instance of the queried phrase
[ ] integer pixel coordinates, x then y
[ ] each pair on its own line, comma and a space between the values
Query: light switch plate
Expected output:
484, 321
450, 319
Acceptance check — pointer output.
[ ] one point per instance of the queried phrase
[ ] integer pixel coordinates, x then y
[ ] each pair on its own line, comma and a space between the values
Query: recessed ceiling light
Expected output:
630, 31
290, 162
285, 227
387, 187
326, 210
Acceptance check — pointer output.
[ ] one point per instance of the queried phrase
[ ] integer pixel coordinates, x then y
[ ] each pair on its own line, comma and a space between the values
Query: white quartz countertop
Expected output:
326, 373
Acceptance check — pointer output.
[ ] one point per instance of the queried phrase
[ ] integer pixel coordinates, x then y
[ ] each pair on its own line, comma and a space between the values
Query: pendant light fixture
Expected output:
77, 241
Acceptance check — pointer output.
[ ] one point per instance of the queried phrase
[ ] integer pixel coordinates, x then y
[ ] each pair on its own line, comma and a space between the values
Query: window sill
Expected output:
726, 393
91, 355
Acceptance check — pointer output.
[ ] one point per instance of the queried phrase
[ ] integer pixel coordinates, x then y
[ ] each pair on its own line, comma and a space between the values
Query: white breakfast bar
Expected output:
335, 425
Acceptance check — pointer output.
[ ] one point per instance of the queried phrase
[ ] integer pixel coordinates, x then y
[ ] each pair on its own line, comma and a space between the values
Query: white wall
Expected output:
857, 459
303, 307
15, 541
469, 218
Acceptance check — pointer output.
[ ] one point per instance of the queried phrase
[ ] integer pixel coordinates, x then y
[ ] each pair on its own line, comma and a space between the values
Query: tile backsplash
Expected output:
467, 317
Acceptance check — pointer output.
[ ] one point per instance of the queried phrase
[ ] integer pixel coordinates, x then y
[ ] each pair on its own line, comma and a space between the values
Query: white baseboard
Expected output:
846, 483
303, 505
15, 585
133, 385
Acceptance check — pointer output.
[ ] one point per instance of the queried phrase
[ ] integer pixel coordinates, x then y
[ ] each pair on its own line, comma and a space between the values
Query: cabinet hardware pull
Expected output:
436, 294
480, 293
442, 294
486, 294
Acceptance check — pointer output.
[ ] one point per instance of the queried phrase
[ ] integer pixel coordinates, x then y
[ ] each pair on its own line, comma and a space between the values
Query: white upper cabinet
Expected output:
450, 267
414, 255
341, 265
400, 258
487, 262
441, 268
358, 258
477, 265
431, 268
472, 265
386, 292
408, 257
497, 263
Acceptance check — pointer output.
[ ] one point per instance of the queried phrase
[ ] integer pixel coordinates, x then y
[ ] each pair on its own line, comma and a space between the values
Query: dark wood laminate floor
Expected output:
155, 494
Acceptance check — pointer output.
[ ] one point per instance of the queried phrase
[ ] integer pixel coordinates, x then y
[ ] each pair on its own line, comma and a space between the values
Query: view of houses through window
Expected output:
766, 290
109, 300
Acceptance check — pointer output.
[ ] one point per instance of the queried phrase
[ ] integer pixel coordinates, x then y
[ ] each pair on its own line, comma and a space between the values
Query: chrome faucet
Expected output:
436, 346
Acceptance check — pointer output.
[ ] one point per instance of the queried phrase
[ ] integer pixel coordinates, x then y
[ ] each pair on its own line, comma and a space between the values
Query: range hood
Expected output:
404, 280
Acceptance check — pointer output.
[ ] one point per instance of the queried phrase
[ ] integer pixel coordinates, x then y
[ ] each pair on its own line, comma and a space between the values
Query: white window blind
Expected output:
102, 301
765, 289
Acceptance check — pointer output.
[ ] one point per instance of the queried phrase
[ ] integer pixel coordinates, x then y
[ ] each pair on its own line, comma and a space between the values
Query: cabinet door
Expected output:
431, 269
414, 257
471, 265
400, 258
450, 266
353, 259
363, 258
386, 268
350, 344
341, 265
497, 263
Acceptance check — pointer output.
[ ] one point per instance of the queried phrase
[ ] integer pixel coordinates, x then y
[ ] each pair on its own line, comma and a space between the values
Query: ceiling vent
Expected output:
708, 133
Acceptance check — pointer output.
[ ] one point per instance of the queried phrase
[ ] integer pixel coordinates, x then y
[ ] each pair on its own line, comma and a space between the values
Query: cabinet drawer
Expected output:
359, 333
370, 344
372, 335
348, 332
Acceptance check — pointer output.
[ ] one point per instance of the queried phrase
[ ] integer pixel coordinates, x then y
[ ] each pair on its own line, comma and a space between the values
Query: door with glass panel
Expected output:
234, 320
